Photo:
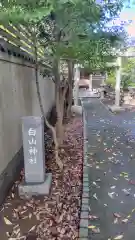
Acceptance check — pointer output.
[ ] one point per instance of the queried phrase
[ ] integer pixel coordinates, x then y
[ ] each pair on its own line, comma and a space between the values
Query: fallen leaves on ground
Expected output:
115, 221
96, 230
111, 195
7, 221
93, 217
132, 182
119, 237
125, 220
117, 215
115, 159
91, 227
95, 196
55, 216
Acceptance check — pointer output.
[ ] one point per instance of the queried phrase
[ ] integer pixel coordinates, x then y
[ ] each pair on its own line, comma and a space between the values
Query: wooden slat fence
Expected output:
19, 37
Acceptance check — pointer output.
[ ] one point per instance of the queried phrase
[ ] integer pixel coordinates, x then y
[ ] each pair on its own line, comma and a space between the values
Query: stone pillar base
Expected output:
115, 108
27, 190
102, 88
76, 109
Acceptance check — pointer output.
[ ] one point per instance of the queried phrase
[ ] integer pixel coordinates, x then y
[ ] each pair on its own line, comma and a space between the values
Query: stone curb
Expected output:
107, 107
83, 229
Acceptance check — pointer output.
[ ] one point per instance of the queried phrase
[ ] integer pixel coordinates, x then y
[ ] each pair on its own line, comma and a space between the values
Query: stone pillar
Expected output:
102, 87
103, 80
37, 181
106, 76
76, 85
90, 82
118, 82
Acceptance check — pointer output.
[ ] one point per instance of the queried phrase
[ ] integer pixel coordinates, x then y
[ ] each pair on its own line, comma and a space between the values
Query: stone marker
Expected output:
36, 180
102, 88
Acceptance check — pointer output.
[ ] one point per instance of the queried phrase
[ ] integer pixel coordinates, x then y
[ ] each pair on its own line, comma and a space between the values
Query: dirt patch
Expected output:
56, 216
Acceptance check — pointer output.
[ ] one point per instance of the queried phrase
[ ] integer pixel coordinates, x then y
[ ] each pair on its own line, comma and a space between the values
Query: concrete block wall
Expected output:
18, 98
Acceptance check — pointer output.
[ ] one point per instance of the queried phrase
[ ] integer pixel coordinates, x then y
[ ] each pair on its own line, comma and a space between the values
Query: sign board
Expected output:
33, 146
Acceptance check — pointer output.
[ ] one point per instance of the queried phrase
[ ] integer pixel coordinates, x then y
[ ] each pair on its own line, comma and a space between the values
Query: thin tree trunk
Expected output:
60, 114
59, 97
63, 101
58, 161
70, 88
76, 85
59, 124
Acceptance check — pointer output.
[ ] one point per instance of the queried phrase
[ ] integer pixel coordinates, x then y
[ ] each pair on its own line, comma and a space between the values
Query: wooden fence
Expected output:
19, 37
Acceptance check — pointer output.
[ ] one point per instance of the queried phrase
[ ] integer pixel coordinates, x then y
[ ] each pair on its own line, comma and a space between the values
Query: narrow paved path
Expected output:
111, 163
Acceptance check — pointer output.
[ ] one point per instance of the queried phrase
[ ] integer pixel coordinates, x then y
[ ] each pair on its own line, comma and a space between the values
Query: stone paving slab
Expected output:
111, 173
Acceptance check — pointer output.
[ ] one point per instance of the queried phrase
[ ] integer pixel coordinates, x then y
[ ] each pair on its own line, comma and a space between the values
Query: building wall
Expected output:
97, 80
18, 98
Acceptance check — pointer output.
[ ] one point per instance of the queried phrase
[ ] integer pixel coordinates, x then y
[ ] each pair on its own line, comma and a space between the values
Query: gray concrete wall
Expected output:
18, 98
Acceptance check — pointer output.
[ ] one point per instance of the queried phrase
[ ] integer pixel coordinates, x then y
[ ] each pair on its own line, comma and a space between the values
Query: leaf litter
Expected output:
118, 237
57, 215
7, 221
122, 176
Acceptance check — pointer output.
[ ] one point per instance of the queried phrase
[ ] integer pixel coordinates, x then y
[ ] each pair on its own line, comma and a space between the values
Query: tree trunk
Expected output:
59, 124
60, 98
118, 83
76, 85
58, 161
70, 88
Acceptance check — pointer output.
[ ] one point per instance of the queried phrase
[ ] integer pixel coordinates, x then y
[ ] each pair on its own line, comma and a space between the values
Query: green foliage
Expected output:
111, 79
67, 28
25, 12
128, 73
126, 81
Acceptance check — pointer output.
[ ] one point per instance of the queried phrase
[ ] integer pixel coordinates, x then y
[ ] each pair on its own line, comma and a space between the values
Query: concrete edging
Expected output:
84, 214
107, 107
83, 228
